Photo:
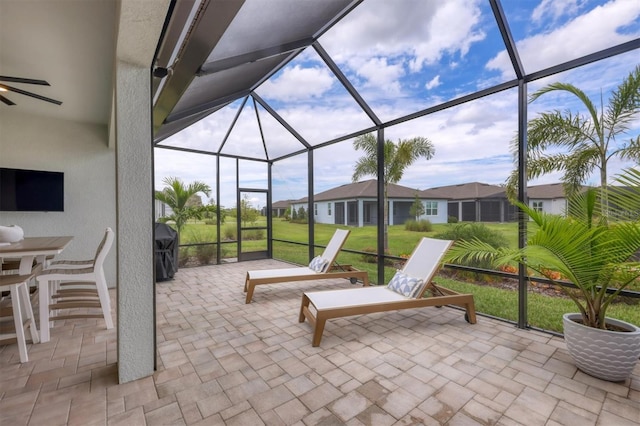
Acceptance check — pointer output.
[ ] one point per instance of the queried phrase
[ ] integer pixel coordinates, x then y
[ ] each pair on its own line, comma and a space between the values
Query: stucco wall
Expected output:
441, 217
80, 151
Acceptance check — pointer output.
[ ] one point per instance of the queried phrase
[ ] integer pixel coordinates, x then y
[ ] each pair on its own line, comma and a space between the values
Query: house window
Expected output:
329, 209
315, 209
537, 206
431, 208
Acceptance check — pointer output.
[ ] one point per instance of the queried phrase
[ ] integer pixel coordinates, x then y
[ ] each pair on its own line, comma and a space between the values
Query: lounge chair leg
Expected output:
305, 304
246, 281
317, 331
470, 315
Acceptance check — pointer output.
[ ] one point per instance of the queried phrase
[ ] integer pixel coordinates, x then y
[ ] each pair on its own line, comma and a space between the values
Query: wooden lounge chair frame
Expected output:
358, 301
304, 273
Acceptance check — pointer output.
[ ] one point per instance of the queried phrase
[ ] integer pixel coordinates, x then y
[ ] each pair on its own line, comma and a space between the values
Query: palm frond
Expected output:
624, 104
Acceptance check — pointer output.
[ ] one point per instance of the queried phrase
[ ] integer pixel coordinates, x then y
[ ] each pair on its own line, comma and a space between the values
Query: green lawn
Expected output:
543, 311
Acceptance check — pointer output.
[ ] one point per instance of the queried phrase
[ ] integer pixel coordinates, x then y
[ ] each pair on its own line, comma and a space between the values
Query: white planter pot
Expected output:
607, 355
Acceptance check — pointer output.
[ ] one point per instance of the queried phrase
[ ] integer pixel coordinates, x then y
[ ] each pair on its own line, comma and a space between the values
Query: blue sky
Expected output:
404, 56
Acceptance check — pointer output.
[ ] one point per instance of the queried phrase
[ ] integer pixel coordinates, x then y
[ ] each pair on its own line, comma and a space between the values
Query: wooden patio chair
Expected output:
321, 267
410, 288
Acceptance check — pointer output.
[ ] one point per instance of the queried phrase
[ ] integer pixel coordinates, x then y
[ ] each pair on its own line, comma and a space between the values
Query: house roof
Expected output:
282, 204
464, 191
548, 191
364, 189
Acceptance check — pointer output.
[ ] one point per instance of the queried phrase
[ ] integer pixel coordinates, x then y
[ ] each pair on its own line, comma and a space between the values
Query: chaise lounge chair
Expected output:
405, 291
321, 267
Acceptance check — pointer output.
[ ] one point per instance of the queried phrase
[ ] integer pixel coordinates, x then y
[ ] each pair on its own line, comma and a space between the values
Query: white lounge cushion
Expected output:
276, 273
349, 297
11, 234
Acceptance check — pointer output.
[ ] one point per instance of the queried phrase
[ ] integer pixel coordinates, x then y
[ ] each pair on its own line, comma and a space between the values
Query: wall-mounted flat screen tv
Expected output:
31, 191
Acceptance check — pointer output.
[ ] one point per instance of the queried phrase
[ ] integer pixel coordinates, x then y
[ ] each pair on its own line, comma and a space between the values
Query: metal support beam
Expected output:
310, 216
218, 225
269, 212
522, 197
381, 202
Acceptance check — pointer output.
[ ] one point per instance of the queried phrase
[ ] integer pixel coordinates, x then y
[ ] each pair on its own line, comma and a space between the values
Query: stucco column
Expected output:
134, 177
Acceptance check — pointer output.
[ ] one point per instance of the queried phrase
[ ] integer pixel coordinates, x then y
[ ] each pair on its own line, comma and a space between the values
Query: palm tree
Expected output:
176, 195
397, 157
578, 145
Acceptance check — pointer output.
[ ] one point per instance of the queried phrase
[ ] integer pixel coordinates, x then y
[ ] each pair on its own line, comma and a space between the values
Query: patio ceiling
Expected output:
229, 49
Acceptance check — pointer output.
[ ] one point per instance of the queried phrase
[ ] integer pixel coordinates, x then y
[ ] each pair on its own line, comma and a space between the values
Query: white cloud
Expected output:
433, 83
595, 30
381, 75
553, 10
413, 36
297, 83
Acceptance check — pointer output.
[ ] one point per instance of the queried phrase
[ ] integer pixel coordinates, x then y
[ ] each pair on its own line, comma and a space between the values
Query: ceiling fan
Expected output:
7, 88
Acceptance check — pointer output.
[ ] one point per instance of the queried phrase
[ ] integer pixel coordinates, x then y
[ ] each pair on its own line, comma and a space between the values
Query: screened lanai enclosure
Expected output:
263, 100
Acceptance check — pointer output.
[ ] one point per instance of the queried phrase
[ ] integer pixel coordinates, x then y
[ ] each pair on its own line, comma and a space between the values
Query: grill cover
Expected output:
166, 252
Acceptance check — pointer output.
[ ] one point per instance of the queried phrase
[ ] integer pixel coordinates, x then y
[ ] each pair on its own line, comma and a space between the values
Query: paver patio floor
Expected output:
221, 361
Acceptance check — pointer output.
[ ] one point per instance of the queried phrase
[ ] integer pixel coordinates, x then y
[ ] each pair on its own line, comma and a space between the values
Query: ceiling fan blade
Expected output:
6, 101
23, 80
33, 95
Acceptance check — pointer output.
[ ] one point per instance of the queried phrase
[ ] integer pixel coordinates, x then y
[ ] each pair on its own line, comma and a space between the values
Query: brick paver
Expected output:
221, 361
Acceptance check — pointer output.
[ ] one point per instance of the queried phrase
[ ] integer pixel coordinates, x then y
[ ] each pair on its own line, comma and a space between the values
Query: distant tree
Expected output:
302, 214
397, 157
417, 208
575, 144
210, 211
176, 195
248, 214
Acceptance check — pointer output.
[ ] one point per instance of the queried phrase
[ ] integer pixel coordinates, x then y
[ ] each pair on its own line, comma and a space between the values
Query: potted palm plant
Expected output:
595, 247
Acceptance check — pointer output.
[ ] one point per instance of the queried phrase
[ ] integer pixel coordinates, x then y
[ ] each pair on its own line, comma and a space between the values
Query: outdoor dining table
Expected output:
27, 250
31, 248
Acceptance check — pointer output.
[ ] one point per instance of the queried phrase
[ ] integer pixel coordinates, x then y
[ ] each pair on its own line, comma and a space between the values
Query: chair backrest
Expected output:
425, 259
103, 248
335, 244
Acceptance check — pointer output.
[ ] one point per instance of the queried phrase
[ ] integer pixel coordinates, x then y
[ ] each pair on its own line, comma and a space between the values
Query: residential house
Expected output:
355, 204
279, 208
474, 202
549, 198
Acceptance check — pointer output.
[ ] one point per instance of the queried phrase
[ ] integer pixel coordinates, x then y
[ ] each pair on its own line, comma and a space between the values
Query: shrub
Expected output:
254, 235
210, 222
452, 219
183, 256
473, 230
423, 225
206, 253
229, 233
